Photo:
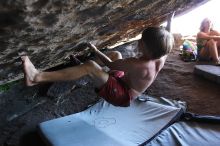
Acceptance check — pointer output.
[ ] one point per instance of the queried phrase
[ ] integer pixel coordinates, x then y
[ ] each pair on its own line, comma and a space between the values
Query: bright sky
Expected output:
189, 23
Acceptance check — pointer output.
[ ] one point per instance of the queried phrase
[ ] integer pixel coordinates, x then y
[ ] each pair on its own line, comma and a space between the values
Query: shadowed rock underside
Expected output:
50, 30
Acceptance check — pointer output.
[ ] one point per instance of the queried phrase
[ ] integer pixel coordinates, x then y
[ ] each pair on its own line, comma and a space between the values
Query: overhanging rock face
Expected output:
50, 30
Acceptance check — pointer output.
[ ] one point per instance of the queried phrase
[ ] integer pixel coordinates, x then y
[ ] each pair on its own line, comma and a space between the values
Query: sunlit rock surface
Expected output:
50, 30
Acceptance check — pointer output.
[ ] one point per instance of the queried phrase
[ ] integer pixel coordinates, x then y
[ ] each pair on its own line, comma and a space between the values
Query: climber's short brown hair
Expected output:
158, 41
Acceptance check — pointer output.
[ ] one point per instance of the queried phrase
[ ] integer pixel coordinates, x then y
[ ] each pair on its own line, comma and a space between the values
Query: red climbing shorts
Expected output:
115, 91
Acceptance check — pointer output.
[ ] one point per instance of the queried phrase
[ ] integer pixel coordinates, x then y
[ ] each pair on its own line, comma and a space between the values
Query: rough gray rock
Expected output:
50, 30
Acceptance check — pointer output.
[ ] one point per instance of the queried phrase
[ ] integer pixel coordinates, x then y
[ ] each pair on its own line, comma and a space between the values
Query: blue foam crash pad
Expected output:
210, 72
106, 125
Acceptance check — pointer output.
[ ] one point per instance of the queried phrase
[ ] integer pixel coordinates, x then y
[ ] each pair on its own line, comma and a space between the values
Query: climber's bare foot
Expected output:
30, 72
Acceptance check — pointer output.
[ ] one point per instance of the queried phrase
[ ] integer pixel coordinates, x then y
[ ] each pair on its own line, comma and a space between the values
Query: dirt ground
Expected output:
22, 108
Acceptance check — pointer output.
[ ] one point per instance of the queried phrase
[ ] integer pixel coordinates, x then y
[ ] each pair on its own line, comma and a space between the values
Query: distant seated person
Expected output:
208, 42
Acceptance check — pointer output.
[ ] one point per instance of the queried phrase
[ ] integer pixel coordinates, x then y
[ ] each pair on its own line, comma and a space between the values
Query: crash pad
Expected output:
210, 72
105, 124
188, 134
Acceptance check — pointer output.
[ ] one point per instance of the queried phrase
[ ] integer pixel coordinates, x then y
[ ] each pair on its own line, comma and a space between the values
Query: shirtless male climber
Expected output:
127, 78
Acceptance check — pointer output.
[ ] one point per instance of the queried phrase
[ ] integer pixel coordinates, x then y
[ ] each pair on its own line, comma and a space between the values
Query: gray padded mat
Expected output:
106, 125
188, 134
210, 72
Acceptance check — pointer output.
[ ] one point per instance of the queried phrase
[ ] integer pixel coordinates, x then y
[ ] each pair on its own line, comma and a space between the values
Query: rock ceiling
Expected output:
50, 30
